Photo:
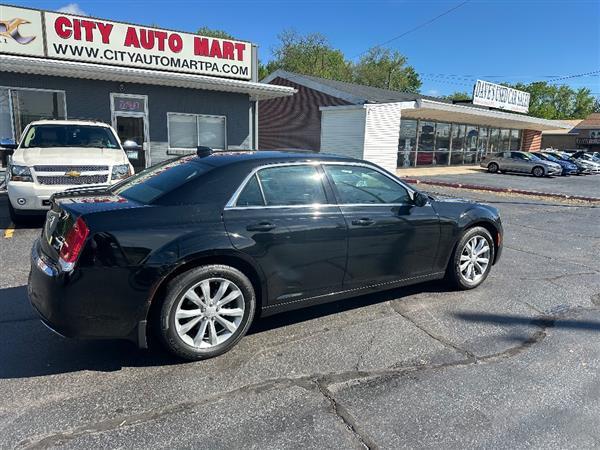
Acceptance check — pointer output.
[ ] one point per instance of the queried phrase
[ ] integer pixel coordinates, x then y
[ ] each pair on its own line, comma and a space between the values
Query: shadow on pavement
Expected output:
501, 319
29, 349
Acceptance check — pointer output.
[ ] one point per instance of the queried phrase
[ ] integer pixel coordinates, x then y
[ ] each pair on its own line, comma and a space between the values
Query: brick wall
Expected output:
532, 140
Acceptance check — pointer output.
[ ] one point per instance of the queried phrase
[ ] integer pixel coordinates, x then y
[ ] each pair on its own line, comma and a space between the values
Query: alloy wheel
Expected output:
209, 313
474, 259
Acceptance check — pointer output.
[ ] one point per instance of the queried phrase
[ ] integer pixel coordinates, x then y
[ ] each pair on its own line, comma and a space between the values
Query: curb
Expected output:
477, 187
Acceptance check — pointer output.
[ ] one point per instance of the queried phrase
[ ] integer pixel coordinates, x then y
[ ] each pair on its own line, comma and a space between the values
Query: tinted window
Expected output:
292, 185
69, 136
151, 184
251, 195
364, 185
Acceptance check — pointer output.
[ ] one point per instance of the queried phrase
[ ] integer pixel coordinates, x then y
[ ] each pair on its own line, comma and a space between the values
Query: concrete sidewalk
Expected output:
411, 172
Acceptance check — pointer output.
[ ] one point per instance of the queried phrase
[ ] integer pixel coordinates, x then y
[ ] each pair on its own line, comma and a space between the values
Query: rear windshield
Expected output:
151, 184
48, 136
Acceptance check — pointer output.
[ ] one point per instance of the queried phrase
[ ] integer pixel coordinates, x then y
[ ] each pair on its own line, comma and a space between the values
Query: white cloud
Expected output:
73, 8
433, 92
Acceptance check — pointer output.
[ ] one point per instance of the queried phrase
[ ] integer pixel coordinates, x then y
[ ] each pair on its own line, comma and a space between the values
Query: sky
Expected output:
510, 40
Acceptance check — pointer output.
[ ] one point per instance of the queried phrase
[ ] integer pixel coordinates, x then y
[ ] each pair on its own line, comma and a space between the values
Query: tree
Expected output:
459, 96
387, 69
209, 32
311, 54
549, 101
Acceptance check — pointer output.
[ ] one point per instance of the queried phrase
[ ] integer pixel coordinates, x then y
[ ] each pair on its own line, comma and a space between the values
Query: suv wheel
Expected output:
493, 167
538, 171
206, 311
472, 259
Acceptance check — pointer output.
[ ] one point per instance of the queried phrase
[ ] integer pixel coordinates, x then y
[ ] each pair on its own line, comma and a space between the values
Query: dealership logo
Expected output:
72, 174
9, 29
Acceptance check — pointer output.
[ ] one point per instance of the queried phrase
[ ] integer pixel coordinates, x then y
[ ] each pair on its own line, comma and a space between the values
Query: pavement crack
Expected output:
561, 261
345, 417
362, 355
445, 342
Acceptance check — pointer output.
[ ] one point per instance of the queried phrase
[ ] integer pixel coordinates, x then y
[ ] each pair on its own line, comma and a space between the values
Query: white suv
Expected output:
55, 155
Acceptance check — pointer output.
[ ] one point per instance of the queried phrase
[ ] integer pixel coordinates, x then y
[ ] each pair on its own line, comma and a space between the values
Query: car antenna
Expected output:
203, 151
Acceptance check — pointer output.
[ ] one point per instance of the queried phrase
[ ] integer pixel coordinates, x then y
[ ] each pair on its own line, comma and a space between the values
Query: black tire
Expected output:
538, 171
453, 273
15, 217
175, 291
493, 167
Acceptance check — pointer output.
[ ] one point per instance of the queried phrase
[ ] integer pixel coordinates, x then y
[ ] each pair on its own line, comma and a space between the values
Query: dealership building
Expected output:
169, 91
397, 129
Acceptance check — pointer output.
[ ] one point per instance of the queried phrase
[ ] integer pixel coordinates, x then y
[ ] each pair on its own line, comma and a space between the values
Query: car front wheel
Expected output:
206, 311
538, 171
493, 167
472, 259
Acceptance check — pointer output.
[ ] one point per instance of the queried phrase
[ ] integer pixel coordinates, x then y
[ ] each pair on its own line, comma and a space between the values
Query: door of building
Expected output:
130, 120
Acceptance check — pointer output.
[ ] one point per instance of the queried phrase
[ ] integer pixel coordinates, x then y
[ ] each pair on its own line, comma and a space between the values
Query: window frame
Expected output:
330, 189
197, 116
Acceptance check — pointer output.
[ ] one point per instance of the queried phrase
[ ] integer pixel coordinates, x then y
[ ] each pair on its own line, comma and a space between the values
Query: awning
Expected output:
446, 112
38, 66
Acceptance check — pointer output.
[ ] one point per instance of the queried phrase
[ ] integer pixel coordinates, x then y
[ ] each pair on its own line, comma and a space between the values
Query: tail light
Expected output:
73, 244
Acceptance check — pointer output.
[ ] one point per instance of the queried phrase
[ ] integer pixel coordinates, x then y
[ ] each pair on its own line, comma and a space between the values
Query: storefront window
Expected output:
407, 143
482, 143
472, 133
29, 105
504, 144
425, 155
458, 143
493, 142
515, 140
442, 143
6, 131
187, 131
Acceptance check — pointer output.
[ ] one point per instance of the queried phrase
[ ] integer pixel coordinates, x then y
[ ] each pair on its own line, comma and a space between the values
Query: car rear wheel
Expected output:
206, 311
472, 259
493, 167
538, 171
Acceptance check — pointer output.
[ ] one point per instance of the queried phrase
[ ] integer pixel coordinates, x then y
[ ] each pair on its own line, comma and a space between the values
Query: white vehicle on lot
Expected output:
55, 155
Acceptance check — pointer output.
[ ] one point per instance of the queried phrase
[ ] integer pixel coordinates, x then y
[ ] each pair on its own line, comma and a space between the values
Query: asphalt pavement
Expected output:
582, 185
512, 364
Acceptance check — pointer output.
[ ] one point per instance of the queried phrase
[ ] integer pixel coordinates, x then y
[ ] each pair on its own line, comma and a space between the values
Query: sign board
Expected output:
500, 97
129, 104
75, 38
21, 31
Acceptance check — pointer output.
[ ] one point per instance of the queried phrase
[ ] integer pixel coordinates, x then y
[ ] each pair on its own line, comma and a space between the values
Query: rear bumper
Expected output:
81, 304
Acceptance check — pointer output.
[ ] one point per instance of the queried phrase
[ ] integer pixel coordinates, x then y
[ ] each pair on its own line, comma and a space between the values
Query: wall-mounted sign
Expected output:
501, 97
129, 104
21, 31
92, 40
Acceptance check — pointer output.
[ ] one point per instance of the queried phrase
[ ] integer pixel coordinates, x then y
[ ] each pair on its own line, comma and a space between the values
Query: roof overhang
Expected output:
446, 112
38, 66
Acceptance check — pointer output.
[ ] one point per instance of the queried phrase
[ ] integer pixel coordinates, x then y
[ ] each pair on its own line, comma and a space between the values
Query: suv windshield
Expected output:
49, 136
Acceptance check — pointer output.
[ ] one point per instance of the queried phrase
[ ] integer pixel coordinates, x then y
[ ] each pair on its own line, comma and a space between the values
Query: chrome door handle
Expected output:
363, 222
262, 226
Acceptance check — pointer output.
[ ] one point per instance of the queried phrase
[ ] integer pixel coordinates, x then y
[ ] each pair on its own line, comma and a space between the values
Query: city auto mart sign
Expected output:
86, 39
501, 97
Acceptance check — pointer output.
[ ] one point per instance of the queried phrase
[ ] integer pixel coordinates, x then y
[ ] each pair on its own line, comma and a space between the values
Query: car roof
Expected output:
69, 122
257, 157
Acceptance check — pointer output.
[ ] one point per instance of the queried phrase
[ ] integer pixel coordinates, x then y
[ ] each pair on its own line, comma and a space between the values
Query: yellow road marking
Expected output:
8, 233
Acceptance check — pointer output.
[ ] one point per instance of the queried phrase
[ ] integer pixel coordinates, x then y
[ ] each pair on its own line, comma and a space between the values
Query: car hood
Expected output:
69, 156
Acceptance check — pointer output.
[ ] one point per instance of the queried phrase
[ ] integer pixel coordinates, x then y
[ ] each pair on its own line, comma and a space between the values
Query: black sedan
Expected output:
193, 249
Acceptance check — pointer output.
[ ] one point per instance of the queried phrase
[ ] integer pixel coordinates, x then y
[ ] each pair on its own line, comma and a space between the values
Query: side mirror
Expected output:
420, 199
8, 145
131, 145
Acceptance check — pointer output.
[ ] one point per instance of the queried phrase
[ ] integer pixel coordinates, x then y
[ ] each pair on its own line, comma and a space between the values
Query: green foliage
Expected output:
459, 96
550, 101
209, 32
387, 69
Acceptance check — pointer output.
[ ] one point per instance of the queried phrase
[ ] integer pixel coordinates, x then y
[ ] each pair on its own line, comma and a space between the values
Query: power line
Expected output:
418, 27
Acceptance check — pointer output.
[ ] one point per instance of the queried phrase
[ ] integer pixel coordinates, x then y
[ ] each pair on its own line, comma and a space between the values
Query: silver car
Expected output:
521, 162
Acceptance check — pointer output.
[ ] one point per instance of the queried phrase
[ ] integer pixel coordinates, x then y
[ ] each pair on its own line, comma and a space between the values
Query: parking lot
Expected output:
512, 364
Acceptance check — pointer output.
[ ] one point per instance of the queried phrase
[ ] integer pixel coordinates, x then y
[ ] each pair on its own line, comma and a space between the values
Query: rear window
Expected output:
151, 184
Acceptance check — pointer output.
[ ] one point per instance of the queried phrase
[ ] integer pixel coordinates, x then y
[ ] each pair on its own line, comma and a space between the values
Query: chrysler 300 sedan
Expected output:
192, 250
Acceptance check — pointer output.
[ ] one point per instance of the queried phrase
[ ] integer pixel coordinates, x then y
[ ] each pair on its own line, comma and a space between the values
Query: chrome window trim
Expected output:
231, 204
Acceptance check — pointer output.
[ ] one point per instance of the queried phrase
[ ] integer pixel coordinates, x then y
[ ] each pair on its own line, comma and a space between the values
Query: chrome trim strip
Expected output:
231, 204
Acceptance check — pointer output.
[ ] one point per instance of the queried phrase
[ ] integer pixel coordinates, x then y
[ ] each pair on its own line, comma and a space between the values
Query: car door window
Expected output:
363, 185
251, 195
292, 185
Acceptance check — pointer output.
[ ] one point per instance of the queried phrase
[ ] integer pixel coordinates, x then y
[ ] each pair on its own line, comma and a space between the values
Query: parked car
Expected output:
54, 155
193, 249
588, 161
521, 162
581, 169
568, 168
